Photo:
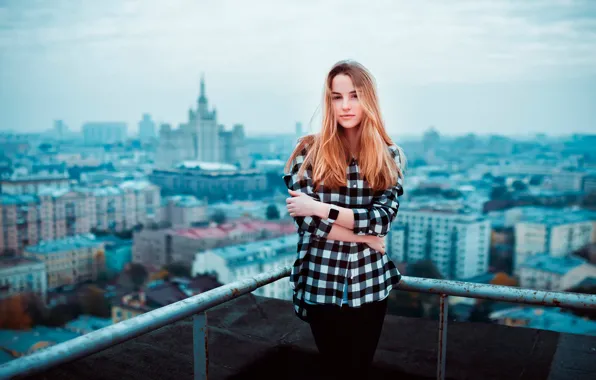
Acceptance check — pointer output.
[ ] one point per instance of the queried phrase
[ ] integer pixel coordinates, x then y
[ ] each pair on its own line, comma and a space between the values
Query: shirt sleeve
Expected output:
376, 219
313, 225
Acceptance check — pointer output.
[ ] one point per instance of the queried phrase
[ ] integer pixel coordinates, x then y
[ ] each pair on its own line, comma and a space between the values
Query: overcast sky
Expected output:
483, 66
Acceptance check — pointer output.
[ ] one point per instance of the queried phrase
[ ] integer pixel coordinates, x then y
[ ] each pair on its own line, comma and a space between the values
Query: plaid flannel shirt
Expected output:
322, 266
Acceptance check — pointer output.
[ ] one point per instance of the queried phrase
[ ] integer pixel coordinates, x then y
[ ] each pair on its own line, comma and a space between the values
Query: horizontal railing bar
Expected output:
498, 293
120, 332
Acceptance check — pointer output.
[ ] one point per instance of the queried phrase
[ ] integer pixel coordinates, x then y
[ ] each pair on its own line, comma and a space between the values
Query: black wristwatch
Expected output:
333, 213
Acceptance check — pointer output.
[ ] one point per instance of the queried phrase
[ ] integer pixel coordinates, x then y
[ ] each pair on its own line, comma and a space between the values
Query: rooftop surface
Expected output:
240, 251
549, 318
6, 199
260, 338
12, 262
547, 263
62, 245
239, 226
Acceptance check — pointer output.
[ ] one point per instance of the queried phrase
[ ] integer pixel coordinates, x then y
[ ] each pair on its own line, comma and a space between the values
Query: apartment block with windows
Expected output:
456, 241
551, 232
71, 260
22, 275
247, 260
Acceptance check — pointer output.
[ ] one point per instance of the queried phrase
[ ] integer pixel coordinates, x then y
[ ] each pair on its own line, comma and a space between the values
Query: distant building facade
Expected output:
22, 275
240, 261
200, 138
158, 247
553, 232
55, 214
100, 133
183, 210
211, 181
33, 184
69, 261
457, 242
546, 272
147, 129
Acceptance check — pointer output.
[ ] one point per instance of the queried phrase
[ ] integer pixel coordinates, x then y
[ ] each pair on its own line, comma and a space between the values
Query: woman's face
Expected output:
344, 100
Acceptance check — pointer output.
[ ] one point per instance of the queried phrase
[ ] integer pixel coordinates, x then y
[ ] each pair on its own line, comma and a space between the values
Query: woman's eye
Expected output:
354, 96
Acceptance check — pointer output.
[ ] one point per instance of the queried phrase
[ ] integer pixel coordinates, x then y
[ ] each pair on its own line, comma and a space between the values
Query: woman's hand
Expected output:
375, 242
300, 204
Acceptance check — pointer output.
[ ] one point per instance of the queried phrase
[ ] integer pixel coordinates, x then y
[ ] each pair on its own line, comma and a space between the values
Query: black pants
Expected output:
346, 337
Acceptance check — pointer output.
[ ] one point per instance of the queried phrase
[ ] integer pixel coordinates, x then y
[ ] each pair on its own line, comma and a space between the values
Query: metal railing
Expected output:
196, 306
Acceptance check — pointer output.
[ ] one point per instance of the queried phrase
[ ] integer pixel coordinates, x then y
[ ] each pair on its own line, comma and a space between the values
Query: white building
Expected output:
247, 260
98, 133
33, 183
20, 275
545, 272
578, 275
554, 232
270, 166
567, 181
200, 138
146, 129
457, 242
396, 242
183, 210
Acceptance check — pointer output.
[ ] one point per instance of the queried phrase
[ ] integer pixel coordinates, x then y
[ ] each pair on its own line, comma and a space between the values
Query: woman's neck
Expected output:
353, 139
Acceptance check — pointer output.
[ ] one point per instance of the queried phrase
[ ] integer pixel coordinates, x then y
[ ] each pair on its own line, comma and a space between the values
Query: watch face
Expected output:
333, 213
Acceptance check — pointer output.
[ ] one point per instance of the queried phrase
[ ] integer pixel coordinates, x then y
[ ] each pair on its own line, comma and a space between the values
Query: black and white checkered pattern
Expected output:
322, 265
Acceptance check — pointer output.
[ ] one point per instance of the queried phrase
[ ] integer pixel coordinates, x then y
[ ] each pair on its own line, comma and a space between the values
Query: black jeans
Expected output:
346, 337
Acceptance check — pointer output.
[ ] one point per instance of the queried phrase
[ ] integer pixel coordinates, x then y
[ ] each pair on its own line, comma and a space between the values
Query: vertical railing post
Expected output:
442, 350
200, 348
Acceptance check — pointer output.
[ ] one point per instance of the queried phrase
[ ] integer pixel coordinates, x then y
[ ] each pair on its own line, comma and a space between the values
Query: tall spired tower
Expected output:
205, 127
197, 139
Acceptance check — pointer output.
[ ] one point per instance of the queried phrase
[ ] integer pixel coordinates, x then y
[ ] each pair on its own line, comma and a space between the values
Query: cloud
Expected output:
146, 49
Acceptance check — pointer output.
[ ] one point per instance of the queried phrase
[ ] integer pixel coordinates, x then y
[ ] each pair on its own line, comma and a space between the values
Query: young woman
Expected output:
343, 185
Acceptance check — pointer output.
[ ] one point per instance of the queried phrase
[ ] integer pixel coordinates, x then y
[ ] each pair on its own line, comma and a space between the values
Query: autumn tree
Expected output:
161, 275
13, 313
502, 278
93, 302
482, 308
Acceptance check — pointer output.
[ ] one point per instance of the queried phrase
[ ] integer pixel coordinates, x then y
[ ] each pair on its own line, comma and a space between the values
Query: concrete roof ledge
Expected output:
260, 338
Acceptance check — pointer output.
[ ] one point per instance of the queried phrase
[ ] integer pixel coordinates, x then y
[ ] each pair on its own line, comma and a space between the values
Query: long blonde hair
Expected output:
327, 152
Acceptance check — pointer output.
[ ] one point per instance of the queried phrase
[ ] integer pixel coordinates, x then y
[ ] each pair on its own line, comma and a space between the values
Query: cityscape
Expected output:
104, 219
99, 226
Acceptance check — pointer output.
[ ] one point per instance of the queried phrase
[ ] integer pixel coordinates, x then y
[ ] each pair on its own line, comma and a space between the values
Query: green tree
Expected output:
488, 176
425, 269
589, 200
138, 274
93, 302
519, 186
499, 180
45, 147
498, 192
272, 212
452, 194
405, 304
218, 217
536, 180
481, 311
178, 269
429, 302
